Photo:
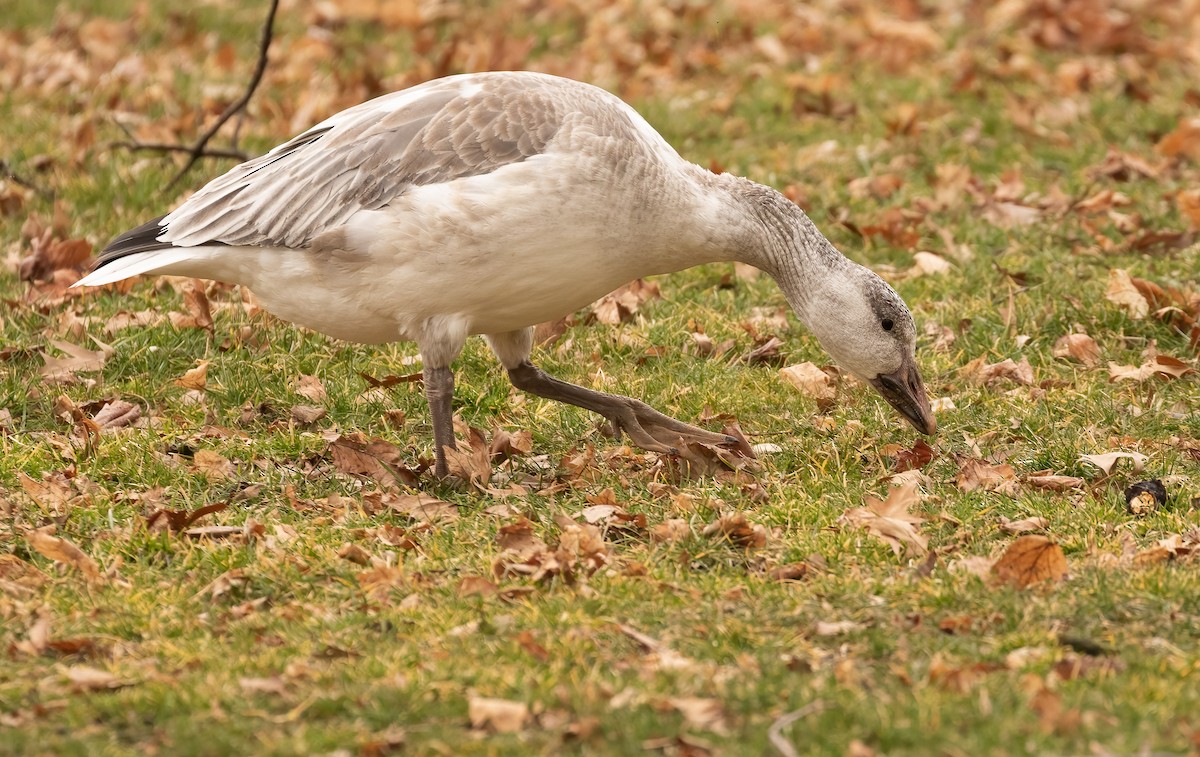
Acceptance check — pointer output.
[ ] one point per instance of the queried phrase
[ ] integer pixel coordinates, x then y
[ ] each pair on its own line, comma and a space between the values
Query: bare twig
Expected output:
775, 732
200, 148
268, 29
7, 172
207, 152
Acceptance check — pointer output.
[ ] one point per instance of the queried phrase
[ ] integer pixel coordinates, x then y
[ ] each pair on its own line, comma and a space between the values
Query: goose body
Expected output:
487, 203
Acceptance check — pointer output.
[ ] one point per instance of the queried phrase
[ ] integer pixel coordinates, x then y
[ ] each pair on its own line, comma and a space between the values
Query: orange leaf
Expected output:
1030, 560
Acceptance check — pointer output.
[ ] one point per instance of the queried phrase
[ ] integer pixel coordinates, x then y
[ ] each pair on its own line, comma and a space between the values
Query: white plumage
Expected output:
487, 203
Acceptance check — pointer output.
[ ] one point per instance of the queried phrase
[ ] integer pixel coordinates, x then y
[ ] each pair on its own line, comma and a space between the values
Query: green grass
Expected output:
348, 668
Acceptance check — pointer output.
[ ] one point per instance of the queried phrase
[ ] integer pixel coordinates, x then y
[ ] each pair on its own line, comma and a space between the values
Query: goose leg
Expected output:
439, 392
645, 426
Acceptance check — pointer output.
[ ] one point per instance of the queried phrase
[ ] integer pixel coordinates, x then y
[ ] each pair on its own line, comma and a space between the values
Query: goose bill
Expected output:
904, 391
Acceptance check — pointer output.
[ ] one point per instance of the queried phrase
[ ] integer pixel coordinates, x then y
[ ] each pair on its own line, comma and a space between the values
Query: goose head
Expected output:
868, 330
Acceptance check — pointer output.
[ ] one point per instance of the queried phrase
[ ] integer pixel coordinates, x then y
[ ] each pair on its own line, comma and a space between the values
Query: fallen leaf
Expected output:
79, 359
1122, 293
61, 550
1078, 347
273, 685
1032, 523
927, 264
420, 507
1106, 461
836, 627
1030, 560
355, 554
671, 530
811, 380
307, 414
505, 444
1182, 141
1160, 366
497, 715
117, 414
978, 474
702, 713
738, 530
310, 388
54, 255
472, 461
195, 378
1054, 483
990, 373
212, 465
88, 678
890, 520
622, 304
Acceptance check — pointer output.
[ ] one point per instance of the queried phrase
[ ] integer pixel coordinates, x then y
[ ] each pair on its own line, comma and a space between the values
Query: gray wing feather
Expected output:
366, 156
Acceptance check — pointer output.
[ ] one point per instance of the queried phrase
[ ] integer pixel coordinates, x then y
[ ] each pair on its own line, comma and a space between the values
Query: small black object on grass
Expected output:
1145, 497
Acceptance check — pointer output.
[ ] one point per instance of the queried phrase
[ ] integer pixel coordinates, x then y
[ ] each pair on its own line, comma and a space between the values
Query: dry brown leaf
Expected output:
811, 380
1106, 461
307, 414
78, 359
1122, 293
738, 530
927, 264
273, 685
51, 255
505, 444
472, 585
53, 492
58, 549
836, 627
671, 530
378, 459
117, 414
702, 713
1182, 141
1078, 347
978, 474
420, 507
890, 520
497, 715
1030, 560
88, 678
1160, 366
212, 465
623, 303
472, 461
1188, 202
1054, 483
310, 388
1021, 373
355, 554
1032, 523
196, 378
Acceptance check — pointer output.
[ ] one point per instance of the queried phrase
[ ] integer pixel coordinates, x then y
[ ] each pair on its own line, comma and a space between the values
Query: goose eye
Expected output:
887, 324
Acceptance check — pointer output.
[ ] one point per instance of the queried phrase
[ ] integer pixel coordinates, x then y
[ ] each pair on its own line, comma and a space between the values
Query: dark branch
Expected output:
268, 29
7, 172
200, 148
207, 152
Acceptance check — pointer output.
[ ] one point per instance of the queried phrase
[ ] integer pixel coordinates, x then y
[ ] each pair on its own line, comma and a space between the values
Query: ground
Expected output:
218, 532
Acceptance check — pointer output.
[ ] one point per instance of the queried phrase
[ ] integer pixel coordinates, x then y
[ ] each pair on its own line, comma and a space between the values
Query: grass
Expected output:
277, 645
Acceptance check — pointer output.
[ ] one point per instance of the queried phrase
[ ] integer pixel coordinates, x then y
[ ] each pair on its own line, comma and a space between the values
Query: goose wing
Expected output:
362, 158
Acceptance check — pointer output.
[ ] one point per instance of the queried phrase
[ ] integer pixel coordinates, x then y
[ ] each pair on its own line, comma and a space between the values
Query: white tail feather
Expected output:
157, 261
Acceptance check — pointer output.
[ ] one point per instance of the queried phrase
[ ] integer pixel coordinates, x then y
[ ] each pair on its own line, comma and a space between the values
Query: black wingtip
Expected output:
142, 239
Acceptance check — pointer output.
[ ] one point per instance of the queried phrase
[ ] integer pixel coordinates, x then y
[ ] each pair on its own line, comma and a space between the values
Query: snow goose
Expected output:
487, 203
